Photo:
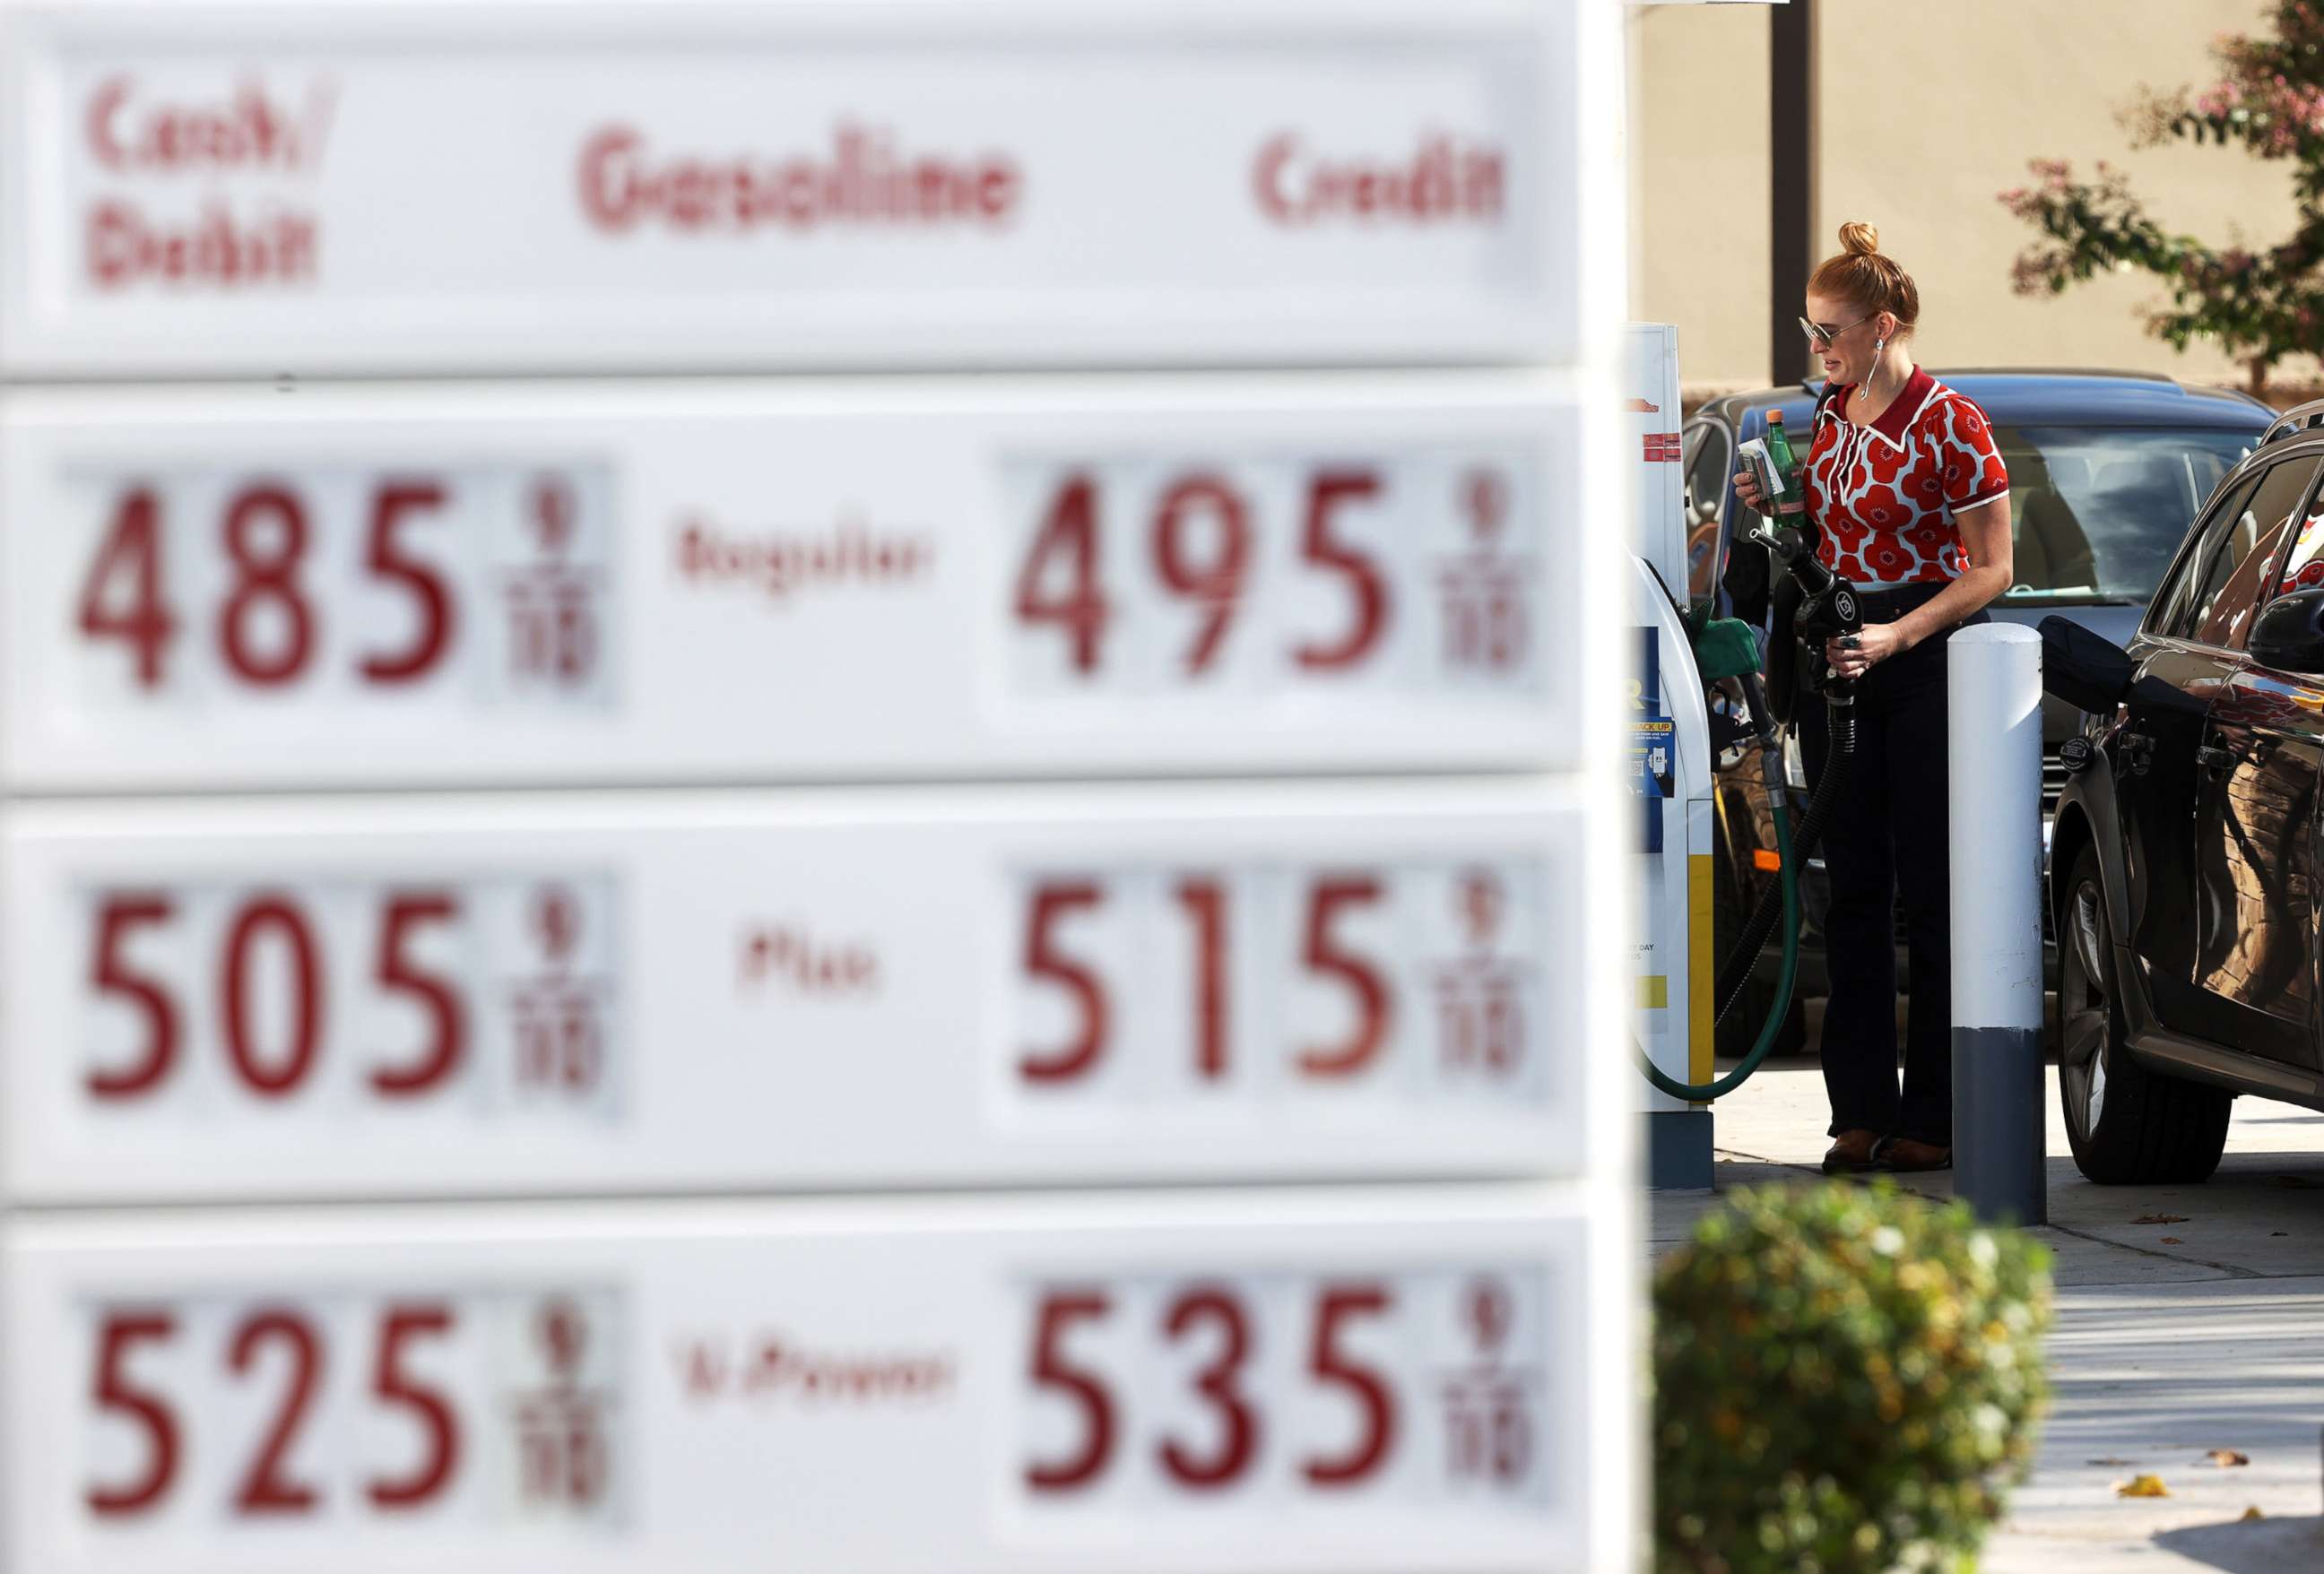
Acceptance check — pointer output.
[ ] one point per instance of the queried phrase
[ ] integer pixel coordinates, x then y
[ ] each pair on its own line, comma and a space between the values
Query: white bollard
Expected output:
1994, 670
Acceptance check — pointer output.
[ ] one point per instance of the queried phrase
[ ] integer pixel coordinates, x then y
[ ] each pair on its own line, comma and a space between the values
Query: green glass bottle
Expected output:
1791, 500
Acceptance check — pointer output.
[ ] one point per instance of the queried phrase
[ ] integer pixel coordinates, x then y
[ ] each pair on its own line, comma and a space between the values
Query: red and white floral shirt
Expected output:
1885, 493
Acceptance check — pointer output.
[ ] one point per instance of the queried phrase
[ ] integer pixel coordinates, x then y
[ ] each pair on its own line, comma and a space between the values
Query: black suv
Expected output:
2106, 471
2185, 871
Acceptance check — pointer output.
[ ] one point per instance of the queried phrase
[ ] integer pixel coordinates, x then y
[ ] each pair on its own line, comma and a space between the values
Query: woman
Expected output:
1906, 486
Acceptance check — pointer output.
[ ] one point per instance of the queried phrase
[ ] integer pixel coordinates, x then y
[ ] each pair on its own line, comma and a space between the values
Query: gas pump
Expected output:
1671, 775
1683, 988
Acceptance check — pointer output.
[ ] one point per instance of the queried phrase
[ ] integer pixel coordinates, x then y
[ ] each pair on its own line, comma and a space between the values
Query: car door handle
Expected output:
2213, 759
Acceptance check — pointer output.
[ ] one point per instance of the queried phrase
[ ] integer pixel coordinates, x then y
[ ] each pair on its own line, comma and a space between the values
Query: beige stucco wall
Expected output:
1698, 184
1925, 112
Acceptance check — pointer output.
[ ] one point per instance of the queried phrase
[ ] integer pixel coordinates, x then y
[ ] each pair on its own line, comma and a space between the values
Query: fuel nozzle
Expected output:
1829, 606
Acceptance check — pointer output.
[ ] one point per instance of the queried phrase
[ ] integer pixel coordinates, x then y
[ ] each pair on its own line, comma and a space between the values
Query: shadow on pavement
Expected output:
2256, 1546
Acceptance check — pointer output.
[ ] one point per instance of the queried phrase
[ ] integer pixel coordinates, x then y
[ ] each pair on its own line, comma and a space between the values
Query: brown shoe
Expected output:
1853, 1153
1905, 1156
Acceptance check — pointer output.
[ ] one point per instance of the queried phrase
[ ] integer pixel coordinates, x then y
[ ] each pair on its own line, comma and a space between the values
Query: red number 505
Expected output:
276, 919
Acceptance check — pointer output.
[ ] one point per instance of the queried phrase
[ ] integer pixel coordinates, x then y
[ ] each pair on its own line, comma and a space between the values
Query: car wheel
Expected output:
1739, 1029
2127, 1125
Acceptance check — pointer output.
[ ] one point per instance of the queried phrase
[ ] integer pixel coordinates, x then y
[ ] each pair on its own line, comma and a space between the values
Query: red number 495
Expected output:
1060, 582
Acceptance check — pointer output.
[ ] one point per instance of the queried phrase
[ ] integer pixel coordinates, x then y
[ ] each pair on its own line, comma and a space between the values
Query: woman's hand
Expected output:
1874, 645
1747, 492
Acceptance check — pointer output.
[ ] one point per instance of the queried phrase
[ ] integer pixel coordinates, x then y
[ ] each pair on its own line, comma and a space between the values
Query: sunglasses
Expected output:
1821, 337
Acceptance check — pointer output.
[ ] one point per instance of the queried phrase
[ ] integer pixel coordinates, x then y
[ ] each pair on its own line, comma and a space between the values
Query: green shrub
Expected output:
1846, 1380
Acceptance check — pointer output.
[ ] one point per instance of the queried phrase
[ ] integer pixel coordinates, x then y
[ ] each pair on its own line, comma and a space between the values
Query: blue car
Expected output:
2106, 470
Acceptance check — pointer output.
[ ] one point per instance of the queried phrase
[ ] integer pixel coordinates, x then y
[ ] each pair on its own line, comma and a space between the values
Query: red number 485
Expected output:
266, 629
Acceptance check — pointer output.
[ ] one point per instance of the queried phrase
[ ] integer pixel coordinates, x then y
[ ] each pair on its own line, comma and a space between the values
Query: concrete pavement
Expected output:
2190, 1318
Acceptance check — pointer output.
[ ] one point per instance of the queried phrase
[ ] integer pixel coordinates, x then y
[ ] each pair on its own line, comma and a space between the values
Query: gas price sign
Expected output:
1350, 1381
368, 187
650, 583
644, 928
964, 986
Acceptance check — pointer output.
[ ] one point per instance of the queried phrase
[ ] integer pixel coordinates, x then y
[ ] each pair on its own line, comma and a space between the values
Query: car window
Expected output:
2095, 513
1708, 466
2171, 613
2303, 566
2246, 544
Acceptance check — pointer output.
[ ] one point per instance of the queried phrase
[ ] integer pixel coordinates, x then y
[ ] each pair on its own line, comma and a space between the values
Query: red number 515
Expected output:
1204, 902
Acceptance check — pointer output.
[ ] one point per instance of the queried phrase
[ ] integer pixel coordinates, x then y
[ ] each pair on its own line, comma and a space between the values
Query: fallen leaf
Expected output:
2160, 1219
2224, 1456
2109, 1460
2279, 1232
2173, 1240
2253, 1513
2142, 1487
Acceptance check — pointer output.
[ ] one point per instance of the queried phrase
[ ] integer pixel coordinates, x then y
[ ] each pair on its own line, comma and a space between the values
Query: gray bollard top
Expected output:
1996, 634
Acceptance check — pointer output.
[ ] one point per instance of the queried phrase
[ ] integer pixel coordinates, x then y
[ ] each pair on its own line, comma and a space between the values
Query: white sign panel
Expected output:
1662, 533
1347, 1382
971, 986
647, 583
367, 187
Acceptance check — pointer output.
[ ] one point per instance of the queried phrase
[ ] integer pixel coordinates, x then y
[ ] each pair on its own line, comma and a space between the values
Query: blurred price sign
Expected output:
644, 584
365, 187
966, 986
1352, 1381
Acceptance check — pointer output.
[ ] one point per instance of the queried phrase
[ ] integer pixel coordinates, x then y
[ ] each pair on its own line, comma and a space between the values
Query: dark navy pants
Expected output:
1889, 837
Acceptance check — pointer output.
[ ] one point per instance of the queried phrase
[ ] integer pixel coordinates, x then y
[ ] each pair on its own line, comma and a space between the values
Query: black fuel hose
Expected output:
1841, 720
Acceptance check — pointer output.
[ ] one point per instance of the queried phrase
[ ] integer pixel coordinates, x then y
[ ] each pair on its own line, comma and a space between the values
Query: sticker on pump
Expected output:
365, 187
357, 997
1369, 1380
514, 585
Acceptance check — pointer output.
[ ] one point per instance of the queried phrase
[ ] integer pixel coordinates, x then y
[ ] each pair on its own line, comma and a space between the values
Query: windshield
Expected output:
2096, 513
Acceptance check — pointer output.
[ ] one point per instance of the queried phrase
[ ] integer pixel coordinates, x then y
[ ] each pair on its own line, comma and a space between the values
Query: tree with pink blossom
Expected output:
2259, 306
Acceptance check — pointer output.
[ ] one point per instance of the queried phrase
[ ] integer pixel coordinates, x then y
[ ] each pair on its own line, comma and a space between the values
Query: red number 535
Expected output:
1215, 1315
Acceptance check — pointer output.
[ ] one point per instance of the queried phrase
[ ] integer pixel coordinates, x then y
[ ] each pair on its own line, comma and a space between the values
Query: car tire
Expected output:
1738, 1031
2128, 1125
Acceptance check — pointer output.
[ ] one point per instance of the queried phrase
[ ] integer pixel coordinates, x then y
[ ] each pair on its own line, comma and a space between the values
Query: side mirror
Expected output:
2088, 671
2290, 634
